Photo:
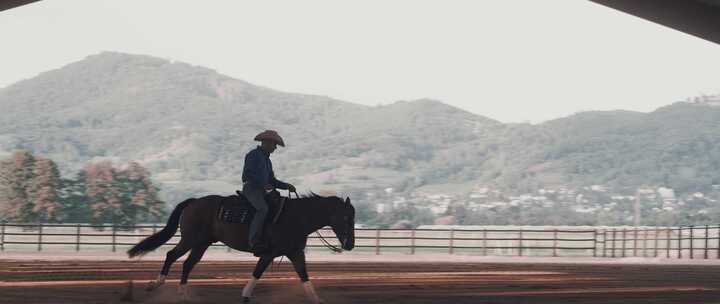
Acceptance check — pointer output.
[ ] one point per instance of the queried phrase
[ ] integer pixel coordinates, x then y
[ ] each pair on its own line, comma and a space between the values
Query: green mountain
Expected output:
192, 127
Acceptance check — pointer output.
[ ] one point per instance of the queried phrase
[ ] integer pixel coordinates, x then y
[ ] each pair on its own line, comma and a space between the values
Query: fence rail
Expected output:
702, 242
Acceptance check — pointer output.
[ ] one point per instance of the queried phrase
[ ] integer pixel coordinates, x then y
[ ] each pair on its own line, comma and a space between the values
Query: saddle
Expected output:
236, 209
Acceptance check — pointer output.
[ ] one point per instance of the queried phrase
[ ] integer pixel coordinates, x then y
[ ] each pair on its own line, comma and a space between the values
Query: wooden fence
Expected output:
666, 242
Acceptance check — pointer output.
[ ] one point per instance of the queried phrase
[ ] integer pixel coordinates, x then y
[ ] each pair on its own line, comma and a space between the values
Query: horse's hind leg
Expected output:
170, 258
260, 267
298, 261
195, 256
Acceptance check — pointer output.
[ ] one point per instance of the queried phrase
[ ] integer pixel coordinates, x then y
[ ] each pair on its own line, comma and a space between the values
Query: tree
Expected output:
142, 203
16, 174
43, 191
122, 197
102, 193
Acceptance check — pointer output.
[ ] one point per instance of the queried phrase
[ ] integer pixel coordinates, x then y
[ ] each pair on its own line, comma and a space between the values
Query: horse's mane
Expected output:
315, 195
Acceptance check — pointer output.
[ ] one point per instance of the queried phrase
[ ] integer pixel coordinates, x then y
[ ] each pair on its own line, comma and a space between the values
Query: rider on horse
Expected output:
258, 177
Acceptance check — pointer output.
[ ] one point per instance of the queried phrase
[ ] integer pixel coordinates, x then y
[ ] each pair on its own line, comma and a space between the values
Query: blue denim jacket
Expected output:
258, 170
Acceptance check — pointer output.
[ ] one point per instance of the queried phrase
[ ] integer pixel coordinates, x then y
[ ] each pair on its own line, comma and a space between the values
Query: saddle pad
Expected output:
234, 215
237, 210
234, 211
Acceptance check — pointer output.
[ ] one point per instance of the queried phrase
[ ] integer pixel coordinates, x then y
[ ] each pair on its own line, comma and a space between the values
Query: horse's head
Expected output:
342, 222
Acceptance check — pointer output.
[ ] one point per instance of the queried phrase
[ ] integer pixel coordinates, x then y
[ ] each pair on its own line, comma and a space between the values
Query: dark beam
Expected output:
8, 4
700, 18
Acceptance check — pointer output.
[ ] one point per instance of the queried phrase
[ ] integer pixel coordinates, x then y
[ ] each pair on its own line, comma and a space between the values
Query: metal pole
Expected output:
679, 255
623, 241
668, 243
555, 242
604, 234
484, 243
2, 237
452, 239
613, 243
595, 242
377, 241
40, 232
644, 244
692, 240
114, 233
707, 234
718, 239
635, 241
657, 236
520, 243
77, 237
412, 241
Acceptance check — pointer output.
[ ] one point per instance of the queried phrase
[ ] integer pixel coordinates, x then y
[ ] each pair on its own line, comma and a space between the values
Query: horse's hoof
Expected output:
246, 299
152, 285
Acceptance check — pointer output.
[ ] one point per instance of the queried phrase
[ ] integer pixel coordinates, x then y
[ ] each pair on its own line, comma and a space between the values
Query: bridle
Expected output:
327, 244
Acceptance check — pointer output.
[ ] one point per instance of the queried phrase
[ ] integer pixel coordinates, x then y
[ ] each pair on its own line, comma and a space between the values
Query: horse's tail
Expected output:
158, 239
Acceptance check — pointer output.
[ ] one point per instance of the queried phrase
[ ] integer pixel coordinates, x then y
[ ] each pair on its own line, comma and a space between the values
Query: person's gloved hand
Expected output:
291, 188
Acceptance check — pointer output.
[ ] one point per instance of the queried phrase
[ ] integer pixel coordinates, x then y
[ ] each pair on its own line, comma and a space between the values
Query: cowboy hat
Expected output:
270, 135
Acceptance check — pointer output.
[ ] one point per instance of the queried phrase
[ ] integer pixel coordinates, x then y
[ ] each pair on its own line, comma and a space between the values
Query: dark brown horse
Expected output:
200, 227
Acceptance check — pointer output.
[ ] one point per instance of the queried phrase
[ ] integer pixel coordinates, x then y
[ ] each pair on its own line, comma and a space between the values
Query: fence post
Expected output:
707, 232
520, 242
613, 243
635, 242
623, 241
452, 240
555, 242
377, 241
40, 233
679, 255
604, 234
484, 243
655, 246
692, 240
77, 237
644, 242
114, 233
595, 242
2, 236
668, 242
412, 241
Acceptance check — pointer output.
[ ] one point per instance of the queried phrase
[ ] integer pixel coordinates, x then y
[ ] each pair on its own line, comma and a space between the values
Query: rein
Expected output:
327, 244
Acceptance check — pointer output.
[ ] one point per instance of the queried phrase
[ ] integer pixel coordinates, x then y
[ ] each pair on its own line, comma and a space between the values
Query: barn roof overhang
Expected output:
700, 18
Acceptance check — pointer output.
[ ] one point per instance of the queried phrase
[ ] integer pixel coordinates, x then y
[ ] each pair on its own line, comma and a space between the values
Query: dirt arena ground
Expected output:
84, 281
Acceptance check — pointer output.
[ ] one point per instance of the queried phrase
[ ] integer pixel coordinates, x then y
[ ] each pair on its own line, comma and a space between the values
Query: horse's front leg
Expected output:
298, 261
260, 267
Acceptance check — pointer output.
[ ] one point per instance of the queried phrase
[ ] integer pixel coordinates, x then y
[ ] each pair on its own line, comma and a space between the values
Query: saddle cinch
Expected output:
236, 209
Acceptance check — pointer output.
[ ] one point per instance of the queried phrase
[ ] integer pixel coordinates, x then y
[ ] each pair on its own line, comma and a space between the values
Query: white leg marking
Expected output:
155, 284
247, 291
183, 292
310, 292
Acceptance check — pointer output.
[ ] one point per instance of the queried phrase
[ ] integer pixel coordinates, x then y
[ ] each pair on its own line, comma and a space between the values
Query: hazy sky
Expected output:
509, 60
